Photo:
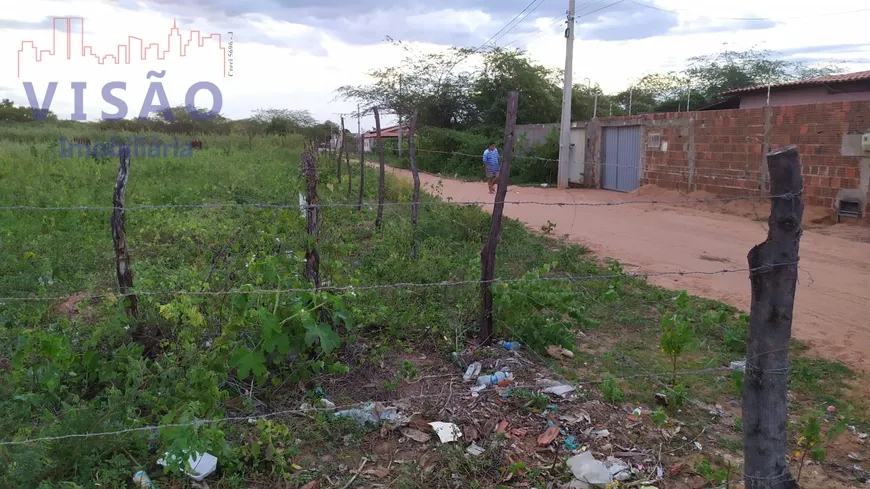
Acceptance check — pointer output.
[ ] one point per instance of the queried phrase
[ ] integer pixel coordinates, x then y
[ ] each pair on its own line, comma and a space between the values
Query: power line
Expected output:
581, 14
750, 19
506, 26
518, 23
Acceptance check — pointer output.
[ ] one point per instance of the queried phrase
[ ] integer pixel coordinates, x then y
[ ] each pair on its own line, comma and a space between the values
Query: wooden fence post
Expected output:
773, 276
340, 148
381, 175
118, 223
487, 254
415, 197
362, 172
347, 160
312, 259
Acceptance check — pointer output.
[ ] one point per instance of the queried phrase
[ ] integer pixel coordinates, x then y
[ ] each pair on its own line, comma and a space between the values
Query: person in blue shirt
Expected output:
491, 166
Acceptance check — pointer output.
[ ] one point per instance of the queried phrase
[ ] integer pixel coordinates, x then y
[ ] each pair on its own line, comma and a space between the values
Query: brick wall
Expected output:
729, 148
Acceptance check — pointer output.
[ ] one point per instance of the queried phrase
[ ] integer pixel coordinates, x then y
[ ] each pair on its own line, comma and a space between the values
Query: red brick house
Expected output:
846, 87
392, 132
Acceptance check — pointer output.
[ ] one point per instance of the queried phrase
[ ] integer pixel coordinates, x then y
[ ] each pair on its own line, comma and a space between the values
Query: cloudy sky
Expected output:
295, 53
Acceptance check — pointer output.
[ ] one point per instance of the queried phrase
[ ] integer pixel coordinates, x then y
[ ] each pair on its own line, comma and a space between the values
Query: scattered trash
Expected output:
324, 404
502, 426
510, 345
202, 465
862, 436
602, 433
472, 371
447, 432
571, 443
832, 409
475, 391
619, 470
547, 437
553, 387
558, 352
142, 481
637, 412
494, 379
371, 413
475, 449
457, 359
576, 417
586, 469
416, 435
661, 399
699, 447
739, 365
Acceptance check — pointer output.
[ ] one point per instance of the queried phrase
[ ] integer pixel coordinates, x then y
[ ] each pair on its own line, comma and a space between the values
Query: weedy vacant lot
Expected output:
233, 351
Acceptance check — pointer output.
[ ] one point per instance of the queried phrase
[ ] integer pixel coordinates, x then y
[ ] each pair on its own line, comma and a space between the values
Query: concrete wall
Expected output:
804, 95
529, 135
723, 152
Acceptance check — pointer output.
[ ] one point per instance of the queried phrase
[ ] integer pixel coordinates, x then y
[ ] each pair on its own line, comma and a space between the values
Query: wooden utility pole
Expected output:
312, 259
415, 196
381, 172
118, 222
487, 254
773, 277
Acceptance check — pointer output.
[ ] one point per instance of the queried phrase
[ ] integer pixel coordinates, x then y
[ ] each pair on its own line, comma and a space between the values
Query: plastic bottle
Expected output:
142, 481
494, 379
510, 345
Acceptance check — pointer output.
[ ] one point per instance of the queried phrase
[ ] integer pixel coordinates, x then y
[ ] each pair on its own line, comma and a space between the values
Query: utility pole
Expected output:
565, 134
359, 131
595, 107
630, 91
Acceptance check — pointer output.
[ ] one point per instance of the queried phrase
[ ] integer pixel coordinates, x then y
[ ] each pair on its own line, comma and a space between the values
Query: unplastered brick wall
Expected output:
722, 152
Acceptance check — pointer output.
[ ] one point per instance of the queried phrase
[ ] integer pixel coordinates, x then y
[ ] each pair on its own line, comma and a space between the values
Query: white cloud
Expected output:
301, 67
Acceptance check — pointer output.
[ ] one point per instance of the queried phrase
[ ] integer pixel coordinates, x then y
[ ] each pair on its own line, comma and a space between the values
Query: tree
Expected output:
10, 113
510, 70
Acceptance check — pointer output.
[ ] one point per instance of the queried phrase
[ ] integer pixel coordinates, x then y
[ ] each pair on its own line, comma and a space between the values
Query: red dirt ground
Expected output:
833, 296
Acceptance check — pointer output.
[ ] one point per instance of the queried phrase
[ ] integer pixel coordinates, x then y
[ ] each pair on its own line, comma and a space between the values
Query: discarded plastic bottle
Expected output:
510, 345
142, 481
494, 379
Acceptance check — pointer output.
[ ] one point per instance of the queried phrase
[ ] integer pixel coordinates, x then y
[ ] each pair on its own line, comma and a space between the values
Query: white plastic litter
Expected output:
739, 365
201, 465
447, 432
618, 469
586, 469
475, 449
559, 390
472, 371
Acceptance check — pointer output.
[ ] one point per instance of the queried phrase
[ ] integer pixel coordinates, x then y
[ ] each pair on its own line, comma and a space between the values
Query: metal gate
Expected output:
621, 159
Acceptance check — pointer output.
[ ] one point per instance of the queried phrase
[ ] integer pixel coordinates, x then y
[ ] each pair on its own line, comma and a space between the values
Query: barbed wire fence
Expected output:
782, 200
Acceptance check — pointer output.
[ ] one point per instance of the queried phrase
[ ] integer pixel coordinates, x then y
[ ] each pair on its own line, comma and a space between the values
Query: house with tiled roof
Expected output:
391, 132
835, 88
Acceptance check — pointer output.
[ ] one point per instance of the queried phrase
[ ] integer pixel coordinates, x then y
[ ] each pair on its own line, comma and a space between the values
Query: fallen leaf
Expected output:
420, 424
548, 436
676, 469
379, 472
416, 435
315, 484
555, 351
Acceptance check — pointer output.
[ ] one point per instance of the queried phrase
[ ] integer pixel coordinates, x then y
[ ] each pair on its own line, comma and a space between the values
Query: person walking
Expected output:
491, 166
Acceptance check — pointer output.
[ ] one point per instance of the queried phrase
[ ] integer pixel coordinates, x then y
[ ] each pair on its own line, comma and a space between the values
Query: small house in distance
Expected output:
370, 137
846, 87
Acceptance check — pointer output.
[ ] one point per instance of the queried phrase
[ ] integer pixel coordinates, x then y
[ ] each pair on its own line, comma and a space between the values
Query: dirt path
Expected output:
833, 295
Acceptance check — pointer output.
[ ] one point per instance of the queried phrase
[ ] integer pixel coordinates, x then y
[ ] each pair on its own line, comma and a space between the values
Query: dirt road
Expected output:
833, 295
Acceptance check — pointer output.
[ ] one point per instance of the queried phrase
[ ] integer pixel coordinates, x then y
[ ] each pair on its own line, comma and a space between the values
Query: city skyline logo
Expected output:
135, 51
